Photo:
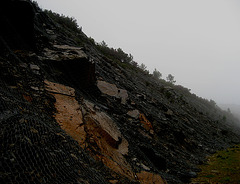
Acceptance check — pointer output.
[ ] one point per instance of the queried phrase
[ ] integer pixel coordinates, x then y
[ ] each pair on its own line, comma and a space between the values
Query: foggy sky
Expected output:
197, 41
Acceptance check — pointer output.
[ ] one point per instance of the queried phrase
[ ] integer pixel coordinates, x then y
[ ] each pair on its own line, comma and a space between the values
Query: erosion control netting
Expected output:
34, 149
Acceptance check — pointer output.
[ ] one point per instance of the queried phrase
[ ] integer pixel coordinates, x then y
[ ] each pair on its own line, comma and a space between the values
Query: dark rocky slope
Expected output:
71, 114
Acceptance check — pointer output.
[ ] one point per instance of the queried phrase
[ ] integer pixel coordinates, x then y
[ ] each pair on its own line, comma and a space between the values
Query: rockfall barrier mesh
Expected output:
34, 149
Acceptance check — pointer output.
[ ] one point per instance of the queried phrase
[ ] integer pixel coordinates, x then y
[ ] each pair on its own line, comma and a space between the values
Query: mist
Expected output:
198, 42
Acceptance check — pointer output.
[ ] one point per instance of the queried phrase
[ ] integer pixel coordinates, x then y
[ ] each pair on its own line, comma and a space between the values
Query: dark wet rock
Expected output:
69, 114
134, 114
33, 67
70, 62
186, 176
169, 113
192, 174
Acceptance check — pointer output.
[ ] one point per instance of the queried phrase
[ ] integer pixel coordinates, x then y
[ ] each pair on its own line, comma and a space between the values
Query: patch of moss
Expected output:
222, 167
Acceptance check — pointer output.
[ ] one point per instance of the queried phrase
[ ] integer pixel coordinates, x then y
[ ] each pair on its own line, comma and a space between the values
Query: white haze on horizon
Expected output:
196, 41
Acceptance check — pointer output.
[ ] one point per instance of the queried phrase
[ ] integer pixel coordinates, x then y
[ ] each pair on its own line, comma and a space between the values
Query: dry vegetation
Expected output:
222, 167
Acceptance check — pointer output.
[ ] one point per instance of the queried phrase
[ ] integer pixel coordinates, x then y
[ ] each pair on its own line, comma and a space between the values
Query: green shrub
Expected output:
67, 22
112, 53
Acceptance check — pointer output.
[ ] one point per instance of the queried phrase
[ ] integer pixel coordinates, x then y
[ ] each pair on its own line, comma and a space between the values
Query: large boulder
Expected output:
71, 63
112, 90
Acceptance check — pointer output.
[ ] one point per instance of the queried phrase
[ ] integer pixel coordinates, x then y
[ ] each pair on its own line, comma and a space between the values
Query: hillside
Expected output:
74, 111
234, 109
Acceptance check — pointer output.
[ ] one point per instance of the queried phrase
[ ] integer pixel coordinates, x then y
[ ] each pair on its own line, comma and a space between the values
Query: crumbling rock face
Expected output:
93, 130
96, 132
69, 114
65, 53
145, 123
34, 149
109, 129
72, 63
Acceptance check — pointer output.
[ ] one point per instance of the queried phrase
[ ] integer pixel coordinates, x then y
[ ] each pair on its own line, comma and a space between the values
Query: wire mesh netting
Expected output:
34, 149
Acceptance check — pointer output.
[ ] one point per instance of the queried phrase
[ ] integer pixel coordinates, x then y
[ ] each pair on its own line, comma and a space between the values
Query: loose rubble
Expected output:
69, 114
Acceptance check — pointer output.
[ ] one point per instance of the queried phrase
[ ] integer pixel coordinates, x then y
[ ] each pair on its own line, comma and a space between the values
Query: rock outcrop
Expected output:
70, 114
112, 90
96, 132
